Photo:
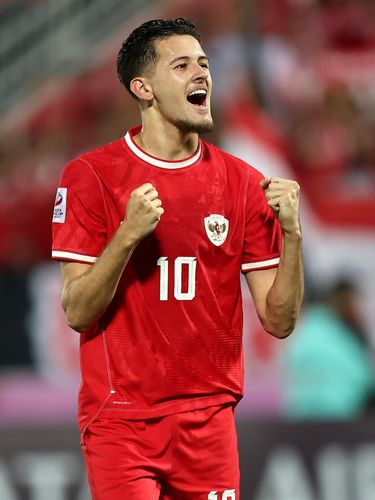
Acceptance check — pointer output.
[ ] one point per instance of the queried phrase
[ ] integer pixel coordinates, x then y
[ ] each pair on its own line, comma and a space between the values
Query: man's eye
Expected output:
181, 66
204, 65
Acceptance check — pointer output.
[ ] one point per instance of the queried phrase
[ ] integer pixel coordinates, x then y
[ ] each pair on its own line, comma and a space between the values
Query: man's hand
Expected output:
143, 212
283, 197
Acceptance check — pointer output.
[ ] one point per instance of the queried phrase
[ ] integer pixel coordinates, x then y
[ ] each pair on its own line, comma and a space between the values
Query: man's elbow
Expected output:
279, 329
75, 321
73, 317
77, 327
280, 333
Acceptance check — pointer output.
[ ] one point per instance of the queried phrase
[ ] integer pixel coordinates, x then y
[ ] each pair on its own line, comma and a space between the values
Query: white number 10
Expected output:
163, 263
227, 495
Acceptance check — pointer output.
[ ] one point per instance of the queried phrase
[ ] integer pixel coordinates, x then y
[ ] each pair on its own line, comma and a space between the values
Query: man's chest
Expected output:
199, 204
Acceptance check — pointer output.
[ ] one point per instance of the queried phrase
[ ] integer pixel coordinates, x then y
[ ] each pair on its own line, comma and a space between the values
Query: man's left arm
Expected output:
278, 293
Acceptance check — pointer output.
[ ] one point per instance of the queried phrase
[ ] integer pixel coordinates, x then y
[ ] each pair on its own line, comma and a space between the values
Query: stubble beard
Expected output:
186, 125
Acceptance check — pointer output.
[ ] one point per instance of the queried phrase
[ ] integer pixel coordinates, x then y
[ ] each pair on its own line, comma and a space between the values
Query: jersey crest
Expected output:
216, 228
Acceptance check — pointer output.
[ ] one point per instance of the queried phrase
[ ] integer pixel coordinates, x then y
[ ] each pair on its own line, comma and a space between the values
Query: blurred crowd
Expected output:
329, 363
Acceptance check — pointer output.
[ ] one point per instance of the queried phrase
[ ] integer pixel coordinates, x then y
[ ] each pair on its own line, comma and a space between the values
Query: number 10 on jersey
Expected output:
180, 263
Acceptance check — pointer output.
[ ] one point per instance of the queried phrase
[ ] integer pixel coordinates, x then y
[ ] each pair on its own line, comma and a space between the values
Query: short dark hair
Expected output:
138, 53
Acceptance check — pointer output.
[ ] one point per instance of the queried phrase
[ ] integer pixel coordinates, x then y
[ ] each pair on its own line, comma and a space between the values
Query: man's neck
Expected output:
166, 142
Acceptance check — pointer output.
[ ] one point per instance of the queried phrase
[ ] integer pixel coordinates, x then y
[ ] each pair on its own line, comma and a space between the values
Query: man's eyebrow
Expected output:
188, 58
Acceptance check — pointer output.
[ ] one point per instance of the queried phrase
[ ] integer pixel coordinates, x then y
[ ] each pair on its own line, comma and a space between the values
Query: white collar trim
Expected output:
161, 163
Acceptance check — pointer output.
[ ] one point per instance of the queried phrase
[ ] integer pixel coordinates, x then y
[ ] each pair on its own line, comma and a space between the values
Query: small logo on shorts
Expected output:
216, 227
59, 211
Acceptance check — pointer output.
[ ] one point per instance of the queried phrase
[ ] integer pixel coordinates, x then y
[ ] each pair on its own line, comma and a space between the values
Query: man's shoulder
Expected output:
103, 153
233, 161
96, 163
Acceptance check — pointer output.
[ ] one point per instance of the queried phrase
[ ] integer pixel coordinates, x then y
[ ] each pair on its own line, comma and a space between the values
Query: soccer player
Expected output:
154, 230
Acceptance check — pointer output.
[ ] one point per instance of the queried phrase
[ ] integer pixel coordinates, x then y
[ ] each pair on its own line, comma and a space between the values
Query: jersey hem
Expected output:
169, 409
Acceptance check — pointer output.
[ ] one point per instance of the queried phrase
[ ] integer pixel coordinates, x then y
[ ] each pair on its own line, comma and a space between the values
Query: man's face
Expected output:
181, 84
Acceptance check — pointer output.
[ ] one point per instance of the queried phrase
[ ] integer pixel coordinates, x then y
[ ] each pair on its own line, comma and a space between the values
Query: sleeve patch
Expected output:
59, 211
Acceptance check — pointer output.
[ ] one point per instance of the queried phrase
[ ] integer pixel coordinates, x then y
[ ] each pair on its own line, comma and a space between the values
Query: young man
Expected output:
153, 231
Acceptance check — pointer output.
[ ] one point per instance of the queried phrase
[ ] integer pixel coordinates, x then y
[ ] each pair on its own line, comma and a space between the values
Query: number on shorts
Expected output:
212, 495
227, 495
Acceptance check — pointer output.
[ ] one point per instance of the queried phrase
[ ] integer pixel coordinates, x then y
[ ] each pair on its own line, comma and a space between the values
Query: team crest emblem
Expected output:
216, 228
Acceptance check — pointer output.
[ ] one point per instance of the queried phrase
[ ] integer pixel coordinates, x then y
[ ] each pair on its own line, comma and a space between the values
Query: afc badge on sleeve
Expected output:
216, 227
59, 211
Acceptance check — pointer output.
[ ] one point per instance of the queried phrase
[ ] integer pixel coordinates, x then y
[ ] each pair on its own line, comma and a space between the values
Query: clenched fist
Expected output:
283, 197
143, 211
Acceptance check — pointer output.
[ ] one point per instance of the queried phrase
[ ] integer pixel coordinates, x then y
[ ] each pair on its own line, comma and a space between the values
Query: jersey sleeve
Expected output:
78, 224
262, 239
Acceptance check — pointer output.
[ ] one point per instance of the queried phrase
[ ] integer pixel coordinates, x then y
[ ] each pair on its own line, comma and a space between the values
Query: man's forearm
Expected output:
284, 299
85, 298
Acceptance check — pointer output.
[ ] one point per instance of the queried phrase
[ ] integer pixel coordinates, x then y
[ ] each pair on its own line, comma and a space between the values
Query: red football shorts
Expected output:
186, 456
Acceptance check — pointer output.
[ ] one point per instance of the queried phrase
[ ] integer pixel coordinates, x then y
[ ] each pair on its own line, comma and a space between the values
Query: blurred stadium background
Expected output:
294, 95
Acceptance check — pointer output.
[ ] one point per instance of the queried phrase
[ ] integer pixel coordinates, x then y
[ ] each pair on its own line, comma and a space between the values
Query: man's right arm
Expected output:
88, 289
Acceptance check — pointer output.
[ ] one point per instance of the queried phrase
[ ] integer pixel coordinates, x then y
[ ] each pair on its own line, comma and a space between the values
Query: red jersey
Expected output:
171, 339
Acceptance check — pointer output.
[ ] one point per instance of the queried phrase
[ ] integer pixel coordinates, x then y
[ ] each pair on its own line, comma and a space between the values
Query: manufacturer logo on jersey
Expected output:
59, 211
216, 228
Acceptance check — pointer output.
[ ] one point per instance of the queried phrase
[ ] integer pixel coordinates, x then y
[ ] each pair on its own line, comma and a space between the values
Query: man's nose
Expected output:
200, 73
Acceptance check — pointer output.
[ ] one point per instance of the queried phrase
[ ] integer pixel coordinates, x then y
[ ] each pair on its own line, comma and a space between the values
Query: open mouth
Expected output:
198, 98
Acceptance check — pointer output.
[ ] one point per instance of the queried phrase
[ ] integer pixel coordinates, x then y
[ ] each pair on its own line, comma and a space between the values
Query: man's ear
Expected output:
142, 89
